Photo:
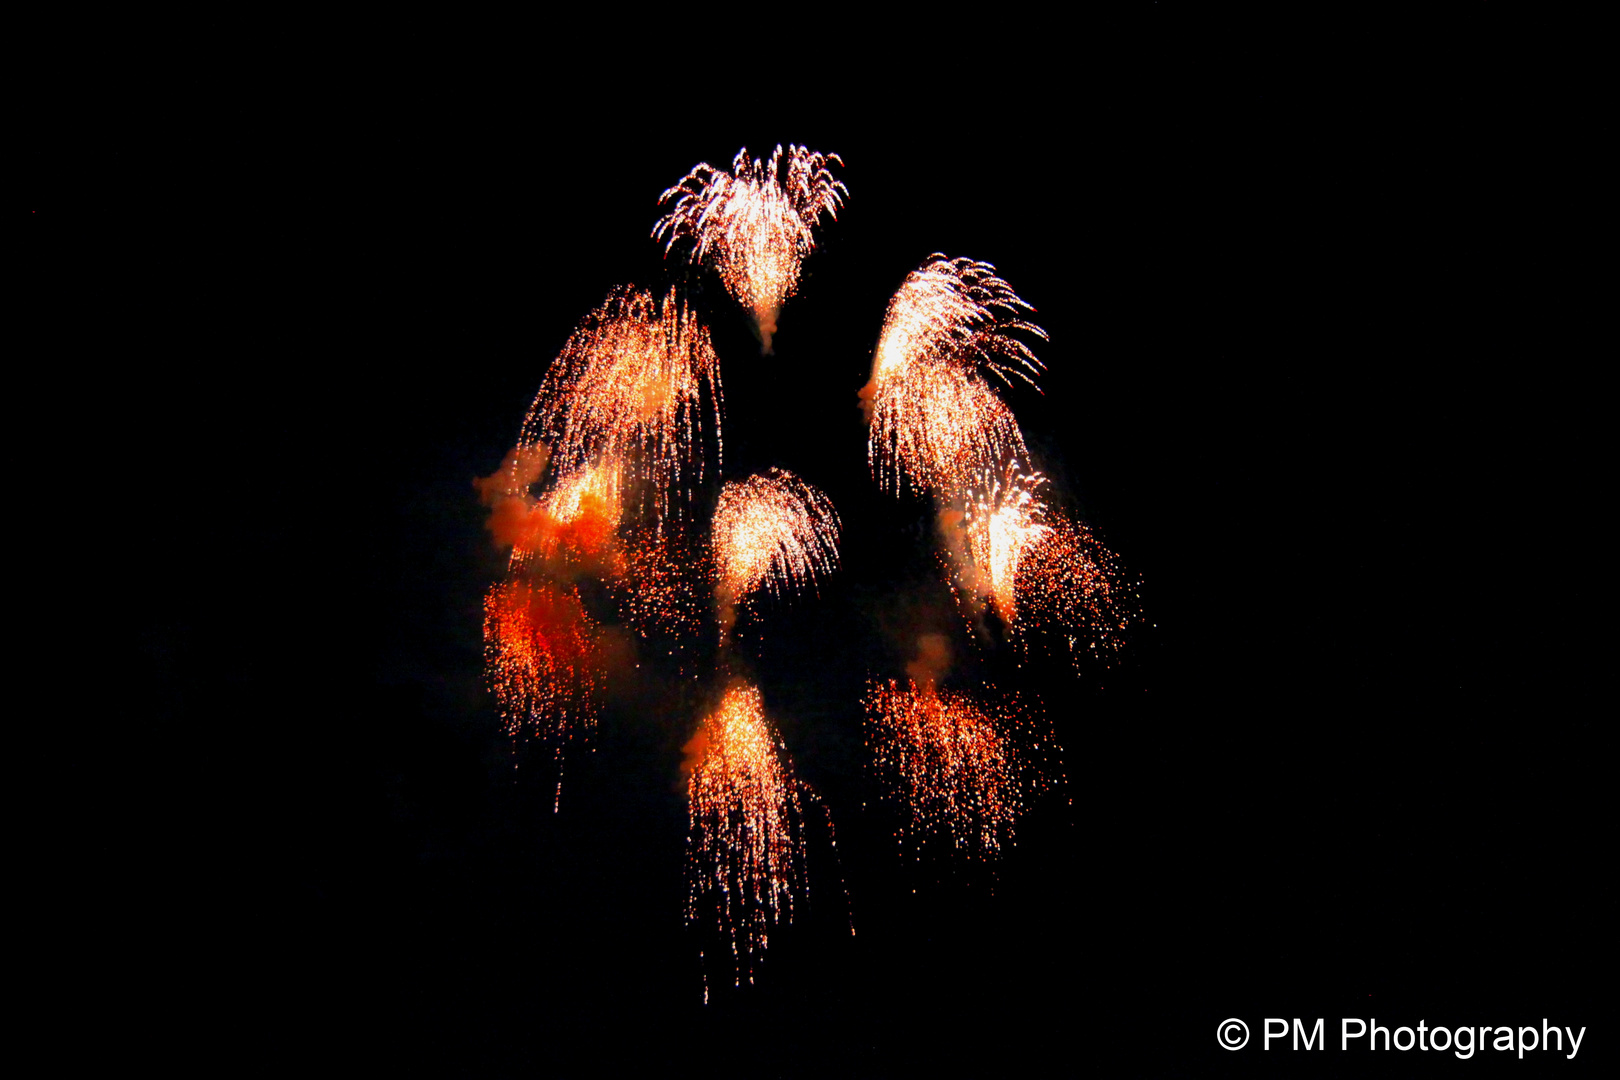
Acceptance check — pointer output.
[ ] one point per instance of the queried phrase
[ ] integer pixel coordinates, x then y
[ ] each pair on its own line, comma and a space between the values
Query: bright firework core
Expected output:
756, 223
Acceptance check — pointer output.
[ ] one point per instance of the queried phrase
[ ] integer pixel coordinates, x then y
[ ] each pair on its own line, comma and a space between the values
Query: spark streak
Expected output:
934, 421
772, 530
745, 847
626, 389
756, 223
953, 760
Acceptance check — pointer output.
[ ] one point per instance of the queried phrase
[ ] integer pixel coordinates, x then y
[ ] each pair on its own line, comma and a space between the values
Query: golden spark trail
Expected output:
756, 223
933, 420
745, 848
953, 760
626, 389
1068, 583
772, 530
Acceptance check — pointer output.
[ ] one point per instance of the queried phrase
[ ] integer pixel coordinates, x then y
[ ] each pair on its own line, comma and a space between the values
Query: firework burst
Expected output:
953, 761
933, 419
1002, 523
626, 390
756, 223
538, 643
1069, 584
745, 848
775, 531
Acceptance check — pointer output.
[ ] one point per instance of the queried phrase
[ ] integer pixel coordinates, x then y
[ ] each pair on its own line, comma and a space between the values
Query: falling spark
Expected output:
745, 847
538, 642
772, 530
757, 223
663, 587
954, 761
626, 389
1070, 584
933, 419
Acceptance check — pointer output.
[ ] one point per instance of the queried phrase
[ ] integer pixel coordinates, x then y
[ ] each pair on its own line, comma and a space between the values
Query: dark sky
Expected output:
1296, 380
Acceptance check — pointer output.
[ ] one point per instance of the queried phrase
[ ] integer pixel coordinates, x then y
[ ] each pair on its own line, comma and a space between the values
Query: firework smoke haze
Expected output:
626, 390
745, 845
771, 530
756, 224
933, 419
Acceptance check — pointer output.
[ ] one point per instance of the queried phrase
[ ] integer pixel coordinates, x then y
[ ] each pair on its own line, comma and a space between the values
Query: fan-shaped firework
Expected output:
1001, 525
1070, 584
745, 848
757, 223
954, 760
933, 419
626, 388
772, 530
537, 648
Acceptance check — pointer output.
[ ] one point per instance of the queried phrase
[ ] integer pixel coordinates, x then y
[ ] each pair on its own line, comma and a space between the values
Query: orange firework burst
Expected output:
538, 641
575, 520
1068, 582
1001, 525
745, 848
933, 418
773, 530
626, 390
756, 222
954, 761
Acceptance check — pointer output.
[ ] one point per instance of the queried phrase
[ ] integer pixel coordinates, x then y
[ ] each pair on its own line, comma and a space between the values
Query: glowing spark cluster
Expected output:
1068, 582
772, 530
953, 760
626, 389
745, 847
934, 420
537, 648
576, 519
1001, 524
663, 589
756, 223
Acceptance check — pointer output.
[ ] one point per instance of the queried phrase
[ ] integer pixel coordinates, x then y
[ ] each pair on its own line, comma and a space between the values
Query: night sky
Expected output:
1298, 379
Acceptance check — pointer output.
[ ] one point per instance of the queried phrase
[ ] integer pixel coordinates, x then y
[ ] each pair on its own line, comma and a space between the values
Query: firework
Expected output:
756, 223
574, 521
538, 642
933, 418
1001, 525
772, 530
1069, 583
953, 759
745, 847
626, 390
662, 588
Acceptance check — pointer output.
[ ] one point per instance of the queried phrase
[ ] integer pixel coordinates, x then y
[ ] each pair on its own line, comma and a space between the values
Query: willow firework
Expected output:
745, 845
953, 760
774, 531
934, 422
538, 643
627, 389
756, 223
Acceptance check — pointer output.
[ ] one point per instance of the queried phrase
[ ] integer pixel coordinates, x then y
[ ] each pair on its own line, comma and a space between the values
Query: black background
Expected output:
1303, 376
